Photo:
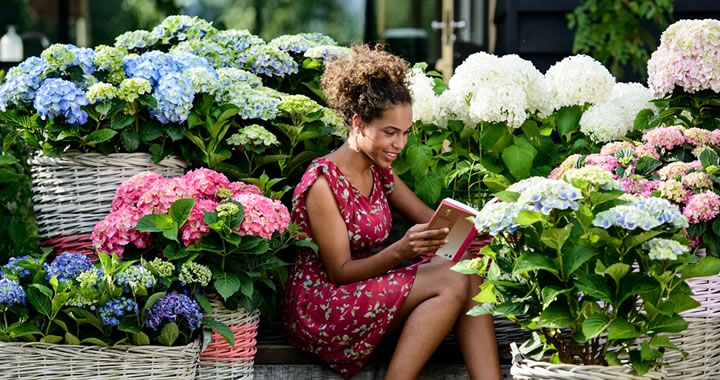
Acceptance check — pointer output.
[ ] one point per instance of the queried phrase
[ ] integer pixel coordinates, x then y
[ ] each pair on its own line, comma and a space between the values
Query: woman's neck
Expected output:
350, 160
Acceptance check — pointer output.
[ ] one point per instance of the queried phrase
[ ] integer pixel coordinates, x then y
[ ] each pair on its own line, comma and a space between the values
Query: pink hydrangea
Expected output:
242, 187
673, 169
697, 165
557, 173
702, 207
131, 190
701, 137
161, 195
611, 148
697, 180
647, 151
195, 227
649, 187
205, 183
568, 163
665, 137
672, 190
263, 216
115, 231
602, 161
633, 186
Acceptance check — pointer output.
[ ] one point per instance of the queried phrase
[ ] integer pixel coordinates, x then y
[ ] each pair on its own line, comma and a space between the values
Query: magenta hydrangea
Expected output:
702, 207
131, 190
115, 231
205, 183
666, 137
195, 227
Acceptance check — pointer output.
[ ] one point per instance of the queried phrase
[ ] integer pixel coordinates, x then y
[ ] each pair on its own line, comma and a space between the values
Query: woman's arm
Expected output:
405, 201
331, 235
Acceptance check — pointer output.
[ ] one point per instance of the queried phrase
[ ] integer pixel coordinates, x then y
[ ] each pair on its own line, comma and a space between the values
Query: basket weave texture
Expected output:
72, 192
222, 361
44, 361
526, 369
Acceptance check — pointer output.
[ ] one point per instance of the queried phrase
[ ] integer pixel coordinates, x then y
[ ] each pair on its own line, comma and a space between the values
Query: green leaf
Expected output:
551, 292
640, 366
555, 237
222, 329
526, 217
575, 257
226, 284
71, 339
429, 188
646, 165
568, 119
662, 341
40, 301
307, 243
155, 223
129, 325
51, 339
180, 210
707, 266
635, 240
507, 196
9, 139
534, 261
23, 329
617, 271
246, 284
169, 334
148, 101
9, 176
595, 286
595, 325
667, 324
642, 119
269, 159
495, 138
140, 339
612, 358
519, 159
130, 140
555, 316
622, 329
648, 353
420, 159
101, 135
683, 302
204, 303
709, 158
121, 121
95, 341
103, 108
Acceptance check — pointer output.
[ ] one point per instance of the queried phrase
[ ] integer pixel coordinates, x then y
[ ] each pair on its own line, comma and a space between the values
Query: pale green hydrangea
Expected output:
224, 193
254, 135
297, 107
194, 273
593, 175
58, 56
161, 267
100, 92
665, 249
334, 121
88, 279
132, 88
203, 80
227, 209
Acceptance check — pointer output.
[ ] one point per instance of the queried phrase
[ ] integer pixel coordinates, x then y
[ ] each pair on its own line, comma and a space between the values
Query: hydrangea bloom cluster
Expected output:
84, 57
135, 276
254, 135
263, 216
131, 89
577, 80
194, 273
195, 226
110, 59
326, 52
702, 207
253, 103
614, 118
117, 307
426, 106
174, 94
297, 107
665, 249
673, 170
268, 61
90, 278
667, 137
116, 230
662, 210
647, 150
100, 92
58, 57
599, 178
697, 180
299, 43
208, 50
672, 190
701, 137
60, 97
569, 163
232, 76
182, 27
152, 66
333, 120
162, 267
203, 80
498, 217
628, 217
67, 266
544, 195
11, 293
687, 57
20, 271
174, 308
611, 148
20, 88
136, 39
236, 41
608, 163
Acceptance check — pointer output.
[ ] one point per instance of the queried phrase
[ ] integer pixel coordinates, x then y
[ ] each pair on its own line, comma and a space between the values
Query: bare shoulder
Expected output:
320, 201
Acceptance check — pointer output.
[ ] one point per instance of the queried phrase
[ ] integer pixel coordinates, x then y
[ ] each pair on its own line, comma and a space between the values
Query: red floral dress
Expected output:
343, 324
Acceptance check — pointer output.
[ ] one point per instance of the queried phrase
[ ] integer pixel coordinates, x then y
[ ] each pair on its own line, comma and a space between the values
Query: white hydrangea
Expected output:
577, 80
426, 106
495, 89
626, 100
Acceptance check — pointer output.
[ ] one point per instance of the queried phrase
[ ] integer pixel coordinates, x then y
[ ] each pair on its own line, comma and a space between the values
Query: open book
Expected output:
453, 215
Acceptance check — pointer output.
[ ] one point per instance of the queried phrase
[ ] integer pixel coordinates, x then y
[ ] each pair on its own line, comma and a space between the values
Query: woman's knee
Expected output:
456, 285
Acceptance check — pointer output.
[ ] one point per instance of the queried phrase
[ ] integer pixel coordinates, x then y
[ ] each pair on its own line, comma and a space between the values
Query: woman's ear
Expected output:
357, 123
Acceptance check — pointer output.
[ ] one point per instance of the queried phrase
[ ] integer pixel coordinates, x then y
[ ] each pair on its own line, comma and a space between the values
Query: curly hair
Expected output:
366, 83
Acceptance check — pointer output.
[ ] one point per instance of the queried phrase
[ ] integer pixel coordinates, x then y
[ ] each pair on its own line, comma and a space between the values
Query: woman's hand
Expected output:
418, 240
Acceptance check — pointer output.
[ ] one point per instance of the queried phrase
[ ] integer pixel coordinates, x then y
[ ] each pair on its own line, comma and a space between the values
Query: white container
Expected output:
11, 46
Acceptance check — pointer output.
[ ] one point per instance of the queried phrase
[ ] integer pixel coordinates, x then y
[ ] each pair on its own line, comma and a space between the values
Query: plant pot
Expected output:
526, 369
219, 360
74, 191
44, 361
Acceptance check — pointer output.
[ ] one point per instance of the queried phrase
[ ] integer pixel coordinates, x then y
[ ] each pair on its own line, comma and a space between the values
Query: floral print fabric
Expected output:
343, 324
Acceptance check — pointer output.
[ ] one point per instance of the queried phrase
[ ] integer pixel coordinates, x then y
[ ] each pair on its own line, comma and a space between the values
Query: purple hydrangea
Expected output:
167, 309
21, 272
60, 97
11, 293
174, 96
116, 308
68, 266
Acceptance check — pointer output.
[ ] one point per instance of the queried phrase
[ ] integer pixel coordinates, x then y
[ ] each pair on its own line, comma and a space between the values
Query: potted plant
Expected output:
132, 313
598, 275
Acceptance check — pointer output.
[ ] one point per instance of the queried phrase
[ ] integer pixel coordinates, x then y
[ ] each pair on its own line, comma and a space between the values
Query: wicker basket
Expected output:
222, 361
73, 192
507, 331
43, 361
526, 369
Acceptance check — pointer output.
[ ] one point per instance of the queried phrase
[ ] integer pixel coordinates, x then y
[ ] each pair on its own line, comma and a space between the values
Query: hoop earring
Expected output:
357, 145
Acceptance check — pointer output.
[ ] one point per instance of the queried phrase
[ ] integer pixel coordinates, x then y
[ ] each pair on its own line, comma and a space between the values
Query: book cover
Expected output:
453, 215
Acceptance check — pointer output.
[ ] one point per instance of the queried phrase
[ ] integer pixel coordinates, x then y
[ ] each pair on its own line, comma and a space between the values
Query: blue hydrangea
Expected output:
497, 217
185, 61
253, 103
21, 272
115, 308
137, 39
68, 266
181, 28
230, 77
84, 57
213, 53
664, 249
299, 43
11, 293
628, 217
234, 41
544, 195
268, 61
19, 90
177, 308
151, 66
134, 276
33, 66
60, 97
174, 96
327, 52
662, 210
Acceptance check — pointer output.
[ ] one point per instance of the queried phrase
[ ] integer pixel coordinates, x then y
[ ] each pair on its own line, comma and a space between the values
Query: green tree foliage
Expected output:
615, 32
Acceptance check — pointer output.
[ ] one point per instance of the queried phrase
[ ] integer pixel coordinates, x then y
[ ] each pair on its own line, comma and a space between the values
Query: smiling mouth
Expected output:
393, 155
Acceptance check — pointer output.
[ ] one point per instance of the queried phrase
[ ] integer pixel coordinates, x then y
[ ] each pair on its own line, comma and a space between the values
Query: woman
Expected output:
341, 301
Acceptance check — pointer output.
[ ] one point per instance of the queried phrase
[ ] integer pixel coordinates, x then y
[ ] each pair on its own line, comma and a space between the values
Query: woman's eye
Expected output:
388, 133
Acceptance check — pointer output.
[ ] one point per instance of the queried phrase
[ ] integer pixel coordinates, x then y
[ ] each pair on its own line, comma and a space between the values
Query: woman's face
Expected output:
383, 138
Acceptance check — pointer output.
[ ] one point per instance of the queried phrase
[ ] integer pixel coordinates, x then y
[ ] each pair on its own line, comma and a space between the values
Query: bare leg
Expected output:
476, 337
431, 309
